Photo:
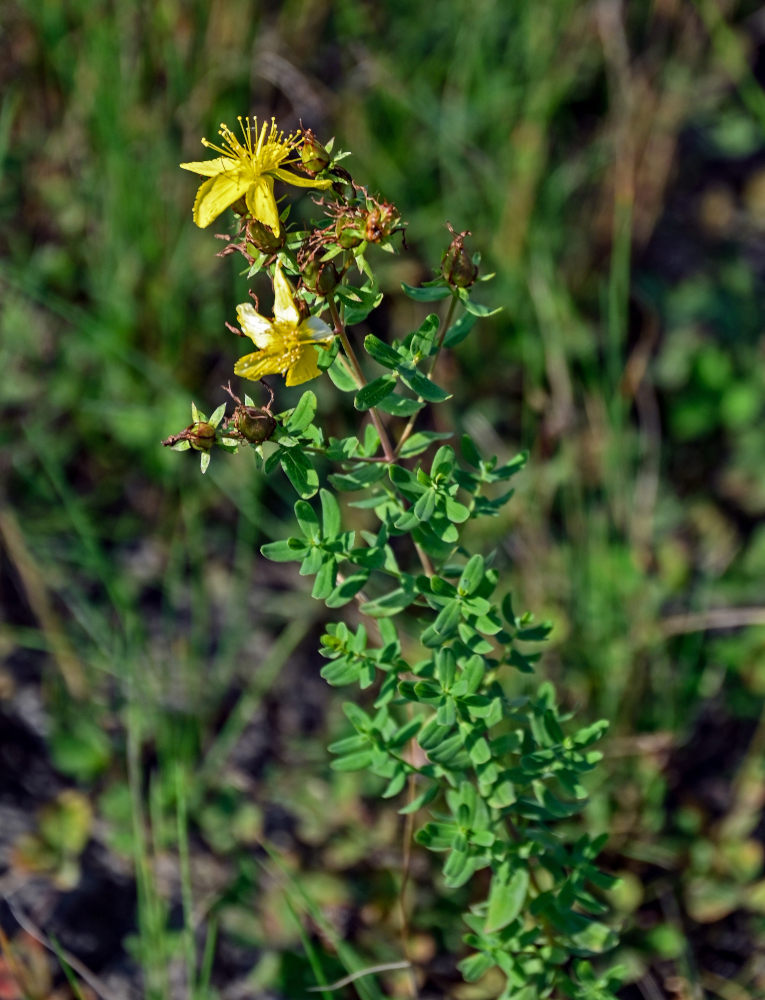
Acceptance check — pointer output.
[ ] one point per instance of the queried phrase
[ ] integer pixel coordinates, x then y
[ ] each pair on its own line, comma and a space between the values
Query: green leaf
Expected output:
389, 604
383, 354
325, 356
287, 550
447, 618
421, 800
324, 582
443, 462
358, 302
399, 406
300, 472
507, 895
595, 938
349, 744
422, 386
457, 512
479, 751
204, 461
359, 477
427, 293
420, 441
217, 416
339, 672
445, 752
347, 590
478, 310
458, 868
308, 520
423, 341
425, 507
502, 795
312, 562
432, 734
354, 762
357, 716
395, 785
475, 966
341, 377
470, 452
330, 514
373, 392
472, 575
459, 330
342, 449
302, 415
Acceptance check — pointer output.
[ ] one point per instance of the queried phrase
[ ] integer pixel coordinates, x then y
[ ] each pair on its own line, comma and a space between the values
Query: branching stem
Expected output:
387, 447
406, 433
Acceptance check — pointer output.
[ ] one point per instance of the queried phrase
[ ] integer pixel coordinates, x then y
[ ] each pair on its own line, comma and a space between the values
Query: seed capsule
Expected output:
254, 424
201, 435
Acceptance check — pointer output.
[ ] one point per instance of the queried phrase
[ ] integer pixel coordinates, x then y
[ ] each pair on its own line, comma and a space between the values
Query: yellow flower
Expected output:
247, 170
287, 343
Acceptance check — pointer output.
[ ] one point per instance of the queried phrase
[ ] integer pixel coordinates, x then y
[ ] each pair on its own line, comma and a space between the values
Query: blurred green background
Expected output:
164, 786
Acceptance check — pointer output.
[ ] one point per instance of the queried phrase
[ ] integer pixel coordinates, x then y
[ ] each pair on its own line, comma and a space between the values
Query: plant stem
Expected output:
387, 447
445, 326
407, 859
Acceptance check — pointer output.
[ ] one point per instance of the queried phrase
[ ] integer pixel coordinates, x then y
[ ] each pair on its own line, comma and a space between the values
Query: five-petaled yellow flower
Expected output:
287, 342
247, 170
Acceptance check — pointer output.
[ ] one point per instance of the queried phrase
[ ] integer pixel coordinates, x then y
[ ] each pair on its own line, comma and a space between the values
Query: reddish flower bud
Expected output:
456, 266
381, 221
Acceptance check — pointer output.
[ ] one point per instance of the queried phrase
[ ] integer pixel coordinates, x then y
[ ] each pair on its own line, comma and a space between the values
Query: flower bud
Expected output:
320, 277
456, 266
313, 155
201, 435
263, 238
381, 221
348, 233
254, 424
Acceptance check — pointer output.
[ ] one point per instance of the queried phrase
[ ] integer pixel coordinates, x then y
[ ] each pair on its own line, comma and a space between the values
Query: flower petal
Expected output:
285, 309
304, 182
261, 202
305, 368
217, 194
255, 326
254, 366
315, 330
211, 168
